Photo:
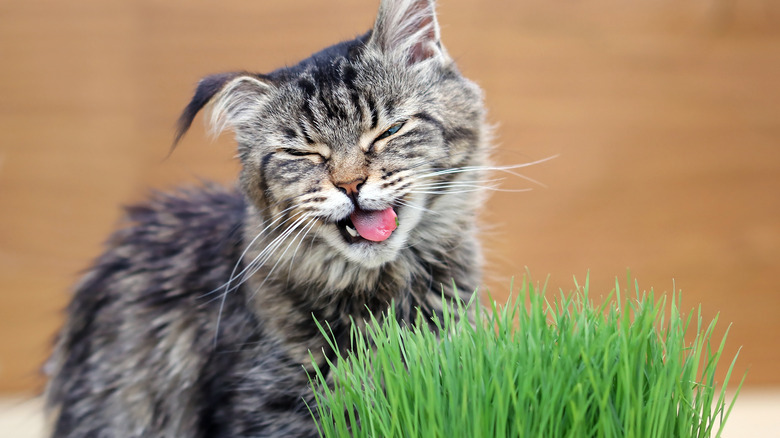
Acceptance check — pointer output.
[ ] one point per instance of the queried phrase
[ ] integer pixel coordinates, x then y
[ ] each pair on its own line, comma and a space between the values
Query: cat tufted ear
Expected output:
234, 97
408, 28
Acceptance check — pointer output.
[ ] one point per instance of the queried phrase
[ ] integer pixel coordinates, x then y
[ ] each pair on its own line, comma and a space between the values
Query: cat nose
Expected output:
350, 188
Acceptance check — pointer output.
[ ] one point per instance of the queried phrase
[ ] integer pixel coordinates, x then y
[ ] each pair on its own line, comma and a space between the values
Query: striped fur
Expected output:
197, 321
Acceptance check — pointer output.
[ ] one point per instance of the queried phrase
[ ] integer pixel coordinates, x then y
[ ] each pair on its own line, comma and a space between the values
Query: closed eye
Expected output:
390, 131
298, 152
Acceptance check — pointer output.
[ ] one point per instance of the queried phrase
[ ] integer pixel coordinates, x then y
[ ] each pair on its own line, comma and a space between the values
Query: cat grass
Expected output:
634, 366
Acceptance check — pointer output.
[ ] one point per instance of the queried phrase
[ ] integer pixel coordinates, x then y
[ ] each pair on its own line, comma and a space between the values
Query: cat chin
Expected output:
370, 255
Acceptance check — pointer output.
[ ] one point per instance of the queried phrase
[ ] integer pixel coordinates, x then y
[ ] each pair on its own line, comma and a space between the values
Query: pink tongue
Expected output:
375, 226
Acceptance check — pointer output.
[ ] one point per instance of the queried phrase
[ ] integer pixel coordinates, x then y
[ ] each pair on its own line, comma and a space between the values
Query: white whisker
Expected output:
305, 230
416, 207
269, 250
281, 256
255, 265
505, 169
466, 189
475, 183
451, 192
233, 274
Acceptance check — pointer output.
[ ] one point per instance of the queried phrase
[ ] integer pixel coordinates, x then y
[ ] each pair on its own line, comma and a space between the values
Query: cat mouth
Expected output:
371, 226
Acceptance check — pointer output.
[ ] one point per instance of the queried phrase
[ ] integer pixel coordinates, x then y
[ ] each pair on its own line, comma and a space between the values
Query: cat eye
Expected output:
298, 152
390, 131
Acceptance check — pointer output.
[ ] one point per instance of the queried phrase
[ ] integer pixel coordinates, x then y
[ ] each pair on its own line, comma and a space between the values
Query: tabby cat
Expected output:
359, 188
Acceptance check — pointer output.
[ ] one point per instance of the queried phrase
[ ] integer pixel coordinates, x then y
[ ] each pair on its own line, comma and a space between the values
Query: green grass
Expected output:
565, 367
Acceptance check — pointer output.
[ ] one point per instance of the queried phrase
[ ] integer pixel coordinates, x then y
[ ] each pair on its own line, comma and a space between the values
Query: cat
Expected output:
359, 187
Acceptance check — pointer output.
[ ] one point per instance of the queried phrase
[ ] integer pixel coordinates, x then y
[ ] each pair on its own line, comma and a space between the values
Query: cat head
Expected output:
359, 144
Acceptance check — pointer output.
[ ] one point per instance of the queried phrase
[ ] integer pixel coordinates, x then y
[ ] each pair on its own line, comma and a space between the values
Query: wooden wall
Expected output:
665, 116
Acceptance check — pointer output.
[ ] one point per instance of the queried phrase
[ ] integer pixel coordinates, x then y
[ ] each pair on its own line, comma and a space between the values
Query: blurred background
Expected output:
664, 116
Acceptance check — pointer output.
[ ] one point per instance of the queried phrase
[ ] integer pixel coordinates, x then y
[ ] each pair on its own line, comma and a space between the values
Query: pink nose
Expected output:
350, 188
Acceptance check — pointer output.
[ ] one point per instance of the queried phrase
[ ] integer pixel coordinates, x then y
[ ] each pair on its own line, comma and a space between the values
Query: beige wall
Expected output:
665, 114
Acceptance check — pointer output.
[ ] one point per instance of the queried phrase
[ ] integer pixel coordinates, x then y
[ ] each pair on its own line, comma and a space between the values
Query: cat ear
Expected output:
234, 98
408, 28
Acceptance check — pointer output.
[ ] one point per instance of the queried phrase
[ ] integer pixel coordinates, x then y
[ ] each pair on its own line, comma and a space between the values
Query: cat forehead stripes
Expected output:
405, 32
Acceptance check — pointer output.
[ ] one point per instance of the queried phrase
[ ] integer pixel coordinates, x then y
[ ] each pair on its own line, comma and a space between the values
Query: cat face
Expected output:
352, 145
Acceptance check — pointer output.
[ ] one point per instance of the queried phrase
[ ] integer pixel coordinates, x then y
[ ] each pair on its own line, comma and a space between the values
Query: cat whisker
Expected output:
444, 192
502, 190
281, 256
444, 187
292, 259
469, 190
500, 168
475, 183
505, 169
307, 231
233, 274
257, 263
293, 217
251, 266
264, 255
416, 207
